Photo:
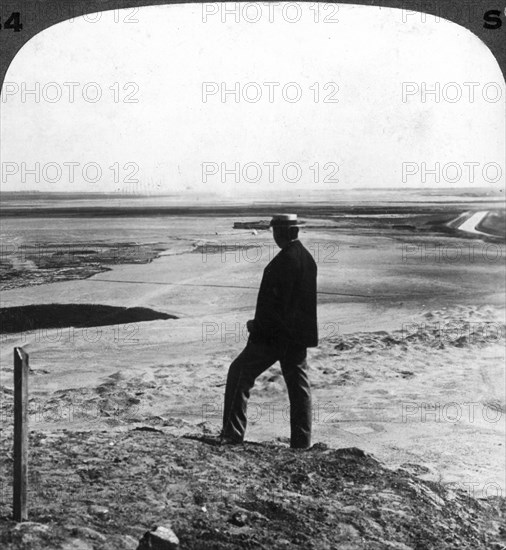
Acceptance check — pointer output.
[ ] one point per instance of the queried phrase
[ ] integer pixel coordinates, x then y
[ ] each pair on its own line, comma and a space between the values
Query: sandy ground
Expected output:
410, 367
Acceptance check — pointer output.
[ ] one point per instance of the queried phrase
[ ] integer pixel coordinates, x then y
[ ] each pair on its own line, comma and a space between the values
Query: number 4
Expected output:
13, 22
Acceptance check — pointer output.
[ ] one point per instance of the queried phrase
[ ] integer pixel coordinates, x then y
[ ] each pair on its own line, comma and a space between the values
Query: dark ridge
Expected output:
260, 224
319, 210
406, 226
37, 316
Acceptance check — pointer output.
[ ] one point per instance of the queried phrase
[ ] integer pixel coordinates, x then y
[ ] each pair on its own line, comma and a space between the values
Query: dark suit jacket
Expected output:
286, 304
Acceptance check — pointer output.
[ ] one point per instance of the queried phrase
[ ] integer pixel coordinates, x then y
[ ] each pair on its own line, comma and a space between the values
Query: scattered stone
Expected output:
31, 533
406, 373
351, 452
87, 532
100, 511
257, 516
460, 342
161, 538
347, 531
319, 446
238, 518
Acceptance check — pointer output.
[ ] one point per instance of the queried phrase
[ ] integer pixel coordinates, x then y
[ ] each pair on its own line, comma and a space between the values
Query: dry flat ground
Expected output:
410, 371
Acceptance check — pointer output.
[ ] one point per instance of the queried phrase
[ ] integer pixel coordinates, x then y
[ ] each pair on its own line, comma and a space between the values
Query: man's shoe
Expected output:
301, 445
229, 441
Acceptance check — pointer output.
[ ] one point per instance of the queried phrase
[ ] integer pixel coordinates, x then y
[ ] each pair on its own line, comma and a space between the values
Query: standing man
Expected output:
283, 328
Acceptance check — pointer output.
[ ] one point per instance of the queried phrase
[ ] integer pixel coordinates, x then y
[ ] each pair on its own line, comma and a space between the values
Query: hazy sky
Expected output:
168, 55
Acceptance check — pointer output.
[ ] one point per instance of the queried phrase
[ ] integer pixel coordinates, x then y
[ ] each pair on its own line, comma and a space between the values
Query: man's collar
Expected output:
290, 244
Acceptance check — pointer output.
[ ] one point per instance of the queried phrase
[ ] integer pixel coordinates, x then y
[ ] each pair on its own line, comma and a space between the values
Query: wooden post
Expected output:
20, 510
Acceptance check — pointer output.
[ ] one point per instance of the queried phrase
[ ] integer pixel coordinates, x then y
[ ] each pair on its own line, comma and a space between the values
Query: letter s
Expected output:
492, 19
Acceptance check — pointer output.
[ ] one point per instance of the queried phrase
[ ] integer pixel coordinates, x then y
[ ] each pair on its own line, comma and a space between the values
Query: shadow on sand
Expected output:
33, 317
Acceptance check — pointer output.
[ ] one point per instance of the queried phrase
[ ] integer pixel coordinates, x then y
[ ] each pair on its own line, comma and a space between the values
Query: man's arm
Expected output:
275, 318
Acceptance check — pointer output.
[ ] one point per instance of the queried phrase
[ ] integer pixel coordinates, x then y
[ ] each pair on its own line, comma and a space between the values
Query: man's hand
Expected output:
250, 325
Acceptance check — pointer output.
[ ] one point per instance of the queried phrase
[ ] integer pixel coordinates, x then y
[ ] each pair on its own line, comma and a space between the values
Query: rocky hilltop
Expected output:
104, 490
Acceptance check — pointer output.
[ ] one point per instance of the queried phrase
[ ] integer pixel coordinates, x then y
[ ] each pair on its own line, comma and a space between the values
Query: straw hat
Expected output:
285, 220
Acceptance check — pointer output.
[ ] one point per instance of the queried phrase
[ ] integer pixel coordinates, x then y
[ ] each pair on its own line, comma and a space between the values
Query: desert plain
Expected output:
409, 372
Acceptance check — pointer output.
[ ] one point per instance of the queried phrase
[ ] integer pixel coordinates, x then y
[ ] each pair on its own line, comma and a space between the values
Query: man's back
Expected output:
286, 304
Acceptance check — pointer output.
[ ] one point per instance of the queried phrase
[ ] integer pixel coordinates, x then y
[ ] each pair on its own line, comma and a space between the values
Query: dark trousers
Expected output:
244, 370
